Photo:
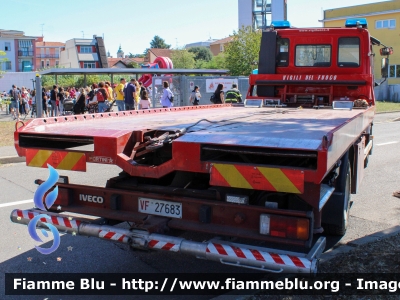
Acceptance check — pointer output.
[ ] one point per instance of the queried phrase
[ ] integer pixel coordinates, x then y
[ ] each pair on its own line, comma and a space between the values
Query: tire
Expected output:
335, 214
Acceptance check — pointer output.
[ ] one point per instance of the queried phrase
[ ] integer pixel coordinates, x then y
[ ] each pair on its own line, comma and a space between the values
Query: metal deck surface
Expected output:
239, 126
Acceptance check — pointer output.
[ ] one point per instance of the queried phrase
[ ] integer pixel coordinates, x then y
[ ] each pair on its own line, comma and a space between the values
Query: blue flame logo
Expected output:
49, 201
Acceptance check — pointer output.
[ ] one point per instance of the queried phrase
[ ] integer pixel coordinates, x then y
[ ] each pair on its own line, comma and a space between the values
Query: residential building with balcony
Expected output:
84, 53
20, 51
48, 53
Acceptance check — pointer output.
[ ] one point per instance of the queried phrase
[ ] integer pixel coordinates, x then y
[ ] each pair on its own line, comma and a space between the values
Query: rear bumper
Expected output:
201, 214
263, 259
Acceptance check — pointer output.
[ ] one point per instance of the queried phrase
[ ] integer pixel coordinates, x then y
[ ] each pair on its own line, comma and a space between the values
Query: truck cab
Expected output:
314, 67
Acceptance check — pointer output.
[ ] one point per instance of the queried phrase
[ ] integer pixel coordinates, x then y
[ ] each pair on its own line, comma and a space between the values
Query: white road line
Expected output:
388, 143
16, 203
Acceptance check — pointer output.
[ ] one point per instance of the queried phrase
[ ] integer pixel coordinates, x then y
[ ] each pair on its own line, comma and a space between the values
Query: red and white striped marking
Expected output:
110, 235
56, 221
251, 254
163, 246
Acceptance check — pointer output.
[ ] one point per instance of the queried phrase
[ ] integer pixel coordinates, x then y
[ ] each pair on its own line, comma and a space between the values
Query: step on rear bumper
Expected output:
259, 258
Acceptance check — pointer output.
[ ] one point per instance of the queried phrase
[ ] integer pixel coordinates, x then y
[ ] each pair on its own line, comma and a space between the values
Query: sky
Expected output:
133, 23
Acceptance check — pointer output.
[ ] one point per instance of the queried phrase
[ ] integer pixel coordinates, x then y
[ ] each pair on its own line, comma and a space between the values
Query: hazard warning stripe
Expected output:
57, 221
258, 178
251, 254
155, 244
114, 236
62, 160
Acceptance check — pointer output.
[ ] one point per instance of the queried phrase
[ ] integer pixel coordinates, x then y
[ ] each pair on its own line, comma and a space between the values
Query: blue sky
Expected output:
133, 23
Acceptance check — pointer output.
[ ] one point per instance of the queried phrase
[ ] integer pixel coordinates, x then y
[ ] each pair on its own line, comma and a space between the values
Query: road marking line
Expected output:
388, 143
16, 203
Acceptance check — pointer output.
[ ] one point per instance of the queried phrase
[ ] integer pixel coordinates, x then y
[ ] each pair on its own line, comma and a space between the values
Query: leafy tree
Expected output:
201, 53
130, 55
243, 51
4, 59
183, 59
216, 62
132, 64
158, 42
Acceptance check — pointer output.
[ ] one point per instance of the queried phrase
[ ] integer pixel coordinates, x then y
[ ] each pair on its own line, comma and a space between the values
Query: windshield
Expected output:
313, 56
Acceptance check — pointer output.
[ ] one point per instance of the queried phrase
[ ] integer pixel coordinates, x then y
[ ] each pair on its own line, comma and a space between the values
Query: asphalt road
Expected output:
373, 209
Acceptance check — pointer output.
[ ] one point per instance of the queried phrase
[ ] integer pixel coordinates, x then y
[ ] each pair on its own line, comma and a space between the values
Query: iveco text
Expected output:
91, 198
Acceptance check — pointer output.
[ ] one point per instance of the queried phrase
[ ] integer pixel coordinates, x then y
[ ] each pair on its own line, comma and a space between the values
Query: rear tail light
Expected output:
285, 227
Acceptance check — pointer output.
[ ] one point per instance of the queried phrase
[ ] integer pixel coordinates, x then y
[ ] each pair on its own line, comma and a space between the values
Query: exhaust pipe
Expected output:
233, 254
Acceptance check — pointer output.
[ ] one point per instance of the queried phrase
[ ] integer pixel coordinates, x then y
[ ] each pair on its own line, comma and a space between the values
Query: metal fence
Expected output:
182, 87
390, 93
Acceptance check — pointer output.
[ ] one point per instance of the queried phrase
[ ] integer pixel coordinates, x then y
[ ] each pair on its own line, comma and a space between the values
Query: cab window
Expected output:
313, 56
349, 52
282, 47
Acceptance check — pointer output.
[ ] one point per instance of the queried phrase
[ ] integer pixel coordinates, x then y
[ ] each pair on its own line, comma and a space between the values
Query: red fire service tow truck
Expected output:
263, 179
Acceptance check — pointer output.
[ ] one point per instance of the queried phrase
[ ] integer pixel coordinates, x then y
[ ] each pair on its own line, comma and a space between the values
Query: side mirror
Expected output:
385, 67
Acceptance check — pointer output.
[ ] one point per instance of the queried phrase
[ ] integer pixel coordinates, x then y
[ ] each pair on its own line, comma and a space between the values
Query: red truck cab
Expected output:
315, 66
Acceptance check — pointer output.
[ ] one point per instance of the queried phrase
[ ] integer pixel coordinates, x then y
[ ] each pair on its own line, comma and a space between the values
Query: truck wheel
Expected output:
335, 213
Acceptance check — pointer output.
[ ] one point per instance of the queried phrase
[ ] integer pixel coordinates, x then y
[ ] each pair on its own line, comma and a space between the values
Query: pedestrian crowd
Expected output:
101, 97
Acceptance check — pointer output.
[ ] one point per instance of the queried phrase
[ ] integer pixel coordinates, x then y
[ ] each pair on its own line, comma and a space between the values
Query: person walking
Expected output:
53, 101
137, 95
79, 107
219, 94
60, 98
195, 96
23, 101
233, 95
130, 95
102, 96
44, 103
14, 105
119, 92
110, 91
166, 96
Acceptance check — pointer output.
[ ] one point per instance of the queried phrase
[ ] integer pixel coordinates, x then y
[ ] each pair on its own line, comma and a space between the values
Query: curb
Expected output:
344, 248
11, 159
387, 112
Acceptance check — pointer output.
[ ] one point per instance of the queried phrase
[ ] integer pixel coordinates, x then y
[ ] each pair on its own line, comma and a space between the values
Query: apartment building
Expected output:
20, 51
48, 53
84, 53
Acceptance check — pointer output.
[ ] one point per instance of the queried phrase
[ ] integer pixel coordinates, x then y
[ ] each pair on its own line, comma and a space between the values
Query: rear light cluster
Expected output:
285, 227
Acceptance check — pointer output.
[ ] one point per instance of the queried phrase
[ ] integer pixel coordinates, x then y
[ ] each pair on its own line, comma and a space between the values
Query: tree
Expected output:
132, 64
216, 62
130, 55
241, 54
158, 42
201, 53
4, 59
183, 59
